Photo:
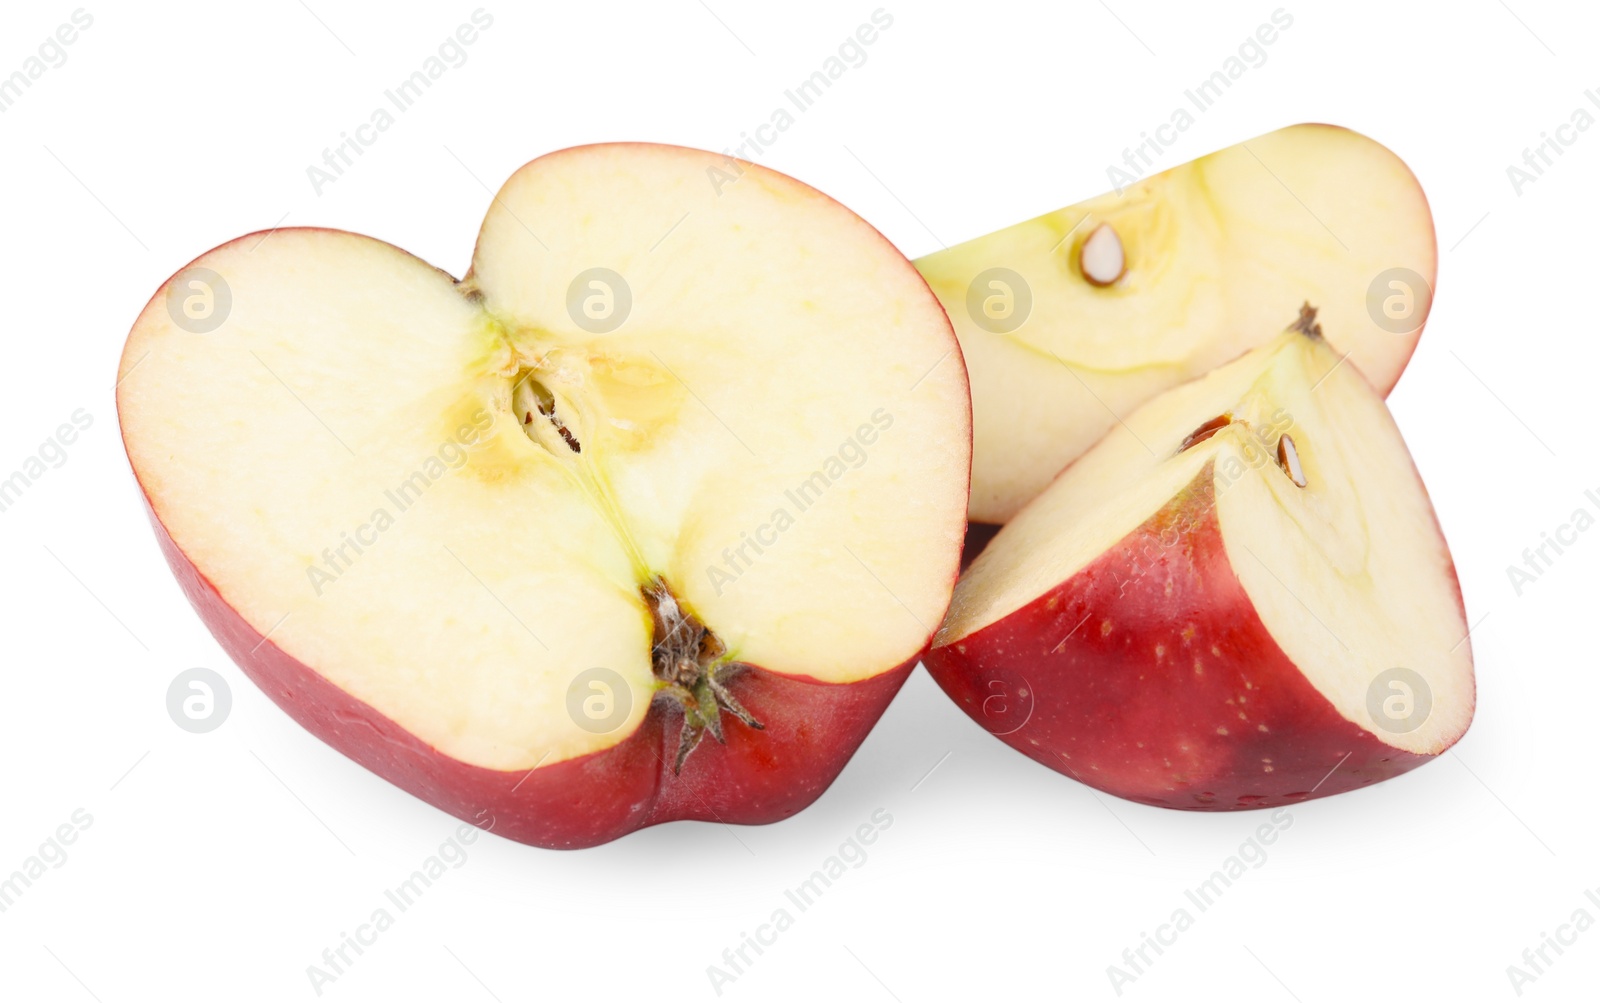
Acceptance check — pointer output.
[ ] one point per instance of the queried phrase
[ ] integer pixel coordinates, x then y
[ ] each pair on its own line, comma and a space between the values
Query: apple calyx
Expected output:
1101, 258
691, 666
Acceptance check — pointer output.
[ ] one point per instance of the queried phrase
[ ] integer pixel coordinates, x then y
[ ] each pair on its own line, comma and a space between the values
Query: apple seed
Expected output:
1289, 460
1207, 430
1101, 258
528, 390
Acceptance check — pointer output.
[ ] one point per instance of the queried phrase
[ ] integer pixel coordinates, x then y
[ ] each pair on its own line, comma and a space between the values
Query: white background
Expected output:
220, 866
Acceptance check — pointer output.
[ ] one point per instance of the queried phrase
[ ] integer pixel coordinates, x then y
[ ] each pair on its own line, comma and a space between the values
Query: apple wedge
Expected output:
1083, 314
1239, 598
648, 518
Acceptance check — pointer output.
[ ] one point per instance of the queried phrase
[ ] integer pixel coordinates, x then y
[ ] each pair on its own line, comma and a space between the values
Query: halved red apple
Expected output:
1082, 314
1239, 598
646, 519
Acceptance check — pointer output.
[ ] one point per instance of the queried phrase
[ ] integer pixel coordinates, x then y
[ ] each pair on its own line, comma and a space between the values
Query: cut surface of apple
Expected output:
1080, 315
1239, 598
676, 463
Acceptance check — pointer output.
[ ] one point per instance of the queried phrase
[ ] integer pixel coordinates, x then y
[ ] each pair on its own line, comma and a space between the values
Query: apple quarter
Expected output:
1239, 598
1086, 312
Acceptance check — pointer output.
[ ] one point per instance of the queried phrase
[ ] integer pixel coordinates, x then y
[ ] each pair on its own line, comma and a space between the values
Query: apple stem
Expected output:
691, 669
1306, 323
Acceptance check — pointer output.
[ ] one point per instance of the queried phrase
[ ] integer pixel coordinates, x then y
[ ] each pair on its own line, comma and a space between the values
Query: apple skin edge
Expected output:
1208, 715
811, 731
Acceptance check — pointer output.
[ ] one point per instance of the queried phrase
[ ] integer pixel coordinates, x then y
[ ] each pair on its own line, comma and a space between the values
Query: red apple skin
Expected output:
811, 730
1169, 690
978, 536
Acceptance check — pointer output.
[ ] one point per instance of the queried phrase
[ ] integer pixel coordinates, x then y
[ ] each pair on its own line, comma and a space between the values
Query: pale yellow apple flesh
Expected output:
1132, 294
778, 431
